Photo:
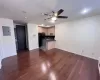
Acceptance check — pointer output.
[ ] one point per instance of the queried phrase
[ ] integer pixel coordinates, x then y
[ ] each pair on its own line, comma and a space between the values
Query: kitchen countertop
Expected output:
48, 44
48, 40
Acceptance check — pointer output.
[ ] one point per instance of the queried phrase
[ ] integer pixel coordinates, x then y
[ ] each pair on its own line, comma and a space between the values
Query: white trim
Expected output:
77, 54
99, 64
0, 64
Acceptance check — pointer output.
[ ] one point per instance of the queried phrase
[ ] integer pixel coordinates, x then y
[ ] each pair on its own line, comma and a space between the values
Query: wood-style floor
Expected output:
51, 65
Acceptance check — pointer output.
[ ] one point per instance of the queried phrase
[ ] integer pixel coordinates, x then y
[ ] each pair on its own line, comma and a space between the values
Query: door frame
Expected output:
26, 35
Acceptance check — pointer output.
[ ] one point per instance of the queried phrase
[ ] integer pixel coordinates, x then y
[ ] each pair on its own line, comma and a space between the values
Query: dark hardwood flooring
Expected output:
54, 64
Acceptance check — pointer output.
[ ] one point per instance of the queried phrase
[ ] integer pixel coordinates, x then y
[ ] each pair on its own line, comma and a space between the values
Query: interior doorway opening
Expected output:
21, 36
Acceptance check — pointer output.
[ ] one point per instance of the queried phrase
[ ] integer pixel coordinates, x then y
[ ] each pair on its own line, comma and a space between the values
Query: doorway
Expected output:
21, 38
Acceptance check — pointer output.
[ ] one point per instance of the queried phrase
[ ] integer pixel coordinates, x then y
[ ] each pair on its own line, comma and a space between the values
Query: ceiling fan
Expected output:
55, 15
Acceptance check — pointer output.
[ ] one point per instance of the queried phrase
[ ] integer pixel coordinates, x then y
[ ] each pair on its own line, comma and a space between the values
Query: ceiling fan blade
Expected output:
62, 16
60, 11
46, 14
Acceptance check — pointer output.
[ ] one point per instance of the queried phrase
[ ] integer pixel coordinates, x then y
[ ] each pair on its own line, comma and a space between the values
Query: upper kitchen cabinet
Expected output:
49, 31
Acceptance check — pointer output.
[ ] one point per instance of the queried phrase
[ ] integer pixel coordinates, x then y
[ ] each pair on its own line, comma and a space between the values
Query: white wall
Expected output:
7, 43
32, 36
75, 36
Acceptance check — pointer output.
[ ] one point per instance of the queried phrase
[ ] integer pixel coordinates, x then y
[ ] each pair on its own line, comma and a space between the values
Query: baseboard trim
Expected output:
33, 48
77, 54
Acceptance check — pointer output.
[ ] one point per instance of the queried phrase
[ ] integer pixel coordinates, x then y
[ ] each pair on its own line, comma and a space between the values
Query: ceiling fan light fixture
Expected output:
52, 21
54, 18
42, 24
56, 14
25, 17
85, 11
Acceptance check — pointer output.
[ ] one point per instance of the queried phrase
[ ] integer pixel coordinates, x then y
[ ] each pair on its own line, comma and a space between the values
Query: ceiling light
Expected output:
25, 17
52, 21
84, 11
55, 14
54, 18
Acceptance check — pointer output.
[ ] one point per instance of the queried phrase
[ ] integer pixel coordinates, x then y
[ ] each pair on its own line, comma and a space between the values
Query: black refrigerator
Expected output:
41, 37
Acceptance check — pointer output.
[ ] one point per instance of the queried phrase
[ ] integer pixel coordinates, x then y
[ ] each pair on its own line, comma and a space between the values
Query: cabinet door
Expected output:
51, 45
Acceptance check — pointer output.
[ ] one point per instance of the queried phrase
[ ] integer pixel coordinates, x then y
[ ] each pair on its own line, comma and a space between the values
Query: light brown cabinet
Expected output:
47, 31
50, 45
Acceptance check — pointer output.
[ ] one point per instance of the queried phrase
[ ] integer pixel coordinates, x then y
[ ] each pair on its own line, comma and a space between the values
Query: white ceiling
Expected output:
15, 9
